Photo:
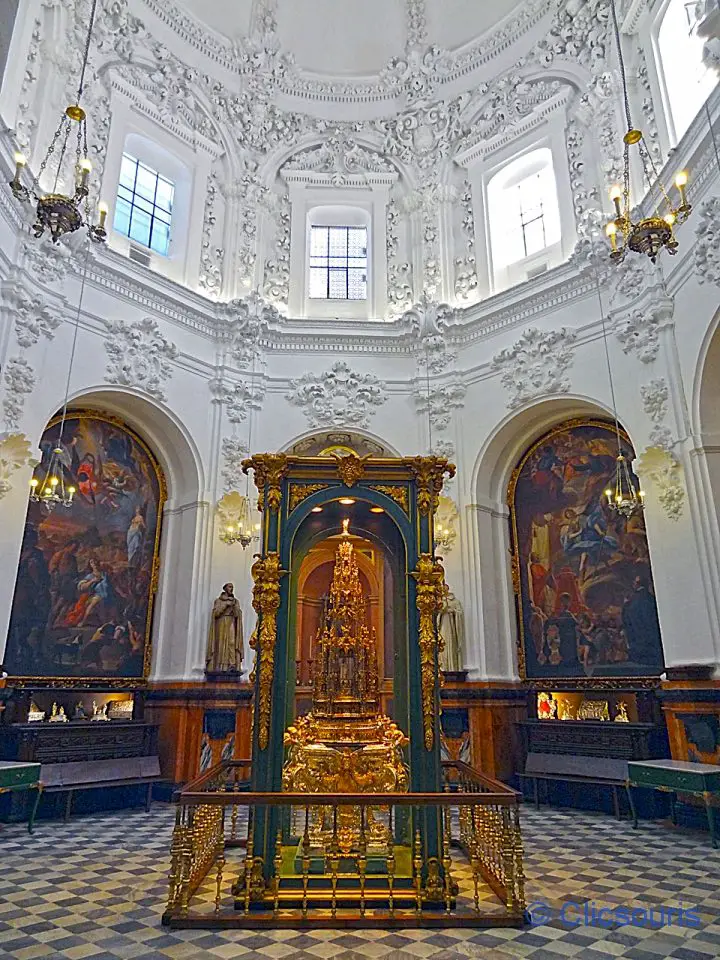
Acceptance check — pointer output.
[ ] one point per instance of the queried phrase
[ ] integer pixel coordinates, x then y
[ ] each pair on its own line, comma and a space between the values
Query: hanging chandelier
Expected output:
444, 537
625, 498
647, 235
58, 212
243, 531
51, 490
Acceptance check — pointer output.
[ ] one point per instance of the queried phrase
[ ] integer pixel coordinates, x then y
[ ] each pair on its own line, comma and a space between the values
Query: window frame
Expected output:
660, 87
524, 224
348, 266
136, 201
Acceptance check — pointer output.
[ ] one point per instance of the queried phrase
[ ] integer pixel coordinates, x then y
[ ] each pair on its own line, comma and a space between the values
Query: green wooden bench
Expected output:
16, 775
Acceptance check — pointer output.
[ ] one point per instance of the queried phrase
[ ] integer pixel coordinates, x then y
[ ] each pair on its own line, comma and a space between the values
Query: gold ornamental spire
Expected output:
346, 676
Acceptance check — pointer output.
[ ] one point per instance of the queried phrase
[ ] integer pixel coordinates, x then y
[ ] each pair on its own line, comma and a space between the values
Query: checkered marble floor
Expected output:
96, 887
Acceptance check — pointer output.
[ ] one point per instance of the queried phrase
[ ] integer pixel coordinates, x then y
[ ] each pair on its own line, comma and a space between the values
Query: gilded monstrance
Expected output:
345, 745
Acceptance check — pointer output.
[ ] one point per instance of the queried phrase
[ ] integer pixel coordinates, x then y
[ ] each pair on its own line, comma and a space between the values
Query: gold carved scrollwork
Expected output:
299, 491
429, 475
266, 574
431, 592
269, 470
398, 494
515, 572
351, 468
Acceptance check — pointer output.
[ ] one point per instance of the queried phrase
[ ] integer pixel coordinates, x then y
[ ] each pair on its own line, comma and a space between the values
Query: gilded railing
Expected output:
489, 835
420, 859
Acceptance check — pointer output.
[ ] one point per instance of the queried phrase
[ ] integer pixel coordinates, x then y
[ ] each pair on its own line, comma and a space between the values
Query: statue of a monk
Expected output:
225, 643
450, 627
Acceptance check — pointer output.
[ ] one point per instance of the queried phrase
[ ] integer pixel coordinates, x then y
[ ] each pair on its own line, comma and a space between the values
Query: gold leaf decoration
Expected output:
300, 491
429, 475
398, 494
269, 470
431, 591
266, 574
351, 468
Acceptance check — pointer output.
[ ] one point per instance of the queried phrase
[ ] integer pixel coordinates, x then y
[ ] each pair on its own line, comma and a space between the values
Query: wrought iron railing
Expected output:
385, 877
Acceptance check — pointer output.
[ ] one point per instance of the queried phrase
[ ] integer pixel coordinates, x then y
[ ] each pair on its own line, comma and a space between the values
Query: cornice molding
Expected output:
301, 84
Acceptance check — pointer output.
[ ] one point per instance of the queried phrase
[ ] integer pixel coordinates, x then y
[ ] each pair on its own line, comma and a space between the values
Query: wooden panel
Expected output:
179, 710
77, 741
632, 741
692, 714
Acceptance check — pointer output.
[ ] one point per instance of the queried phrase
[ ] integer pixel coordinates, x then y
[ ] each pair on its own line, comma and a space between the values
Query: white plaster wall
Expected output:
489, 432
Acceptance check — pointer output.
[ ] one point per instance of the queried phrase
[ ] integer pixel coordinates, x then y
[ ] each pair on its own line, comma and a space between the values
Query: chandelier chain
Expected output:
621, 62
86, 52
607, 360
74, 340
712, 134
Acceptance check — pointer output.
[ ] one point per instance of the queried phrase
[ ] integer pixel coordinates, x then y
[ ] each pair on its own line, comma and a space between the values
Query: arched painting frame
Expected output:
87, 576
581, 575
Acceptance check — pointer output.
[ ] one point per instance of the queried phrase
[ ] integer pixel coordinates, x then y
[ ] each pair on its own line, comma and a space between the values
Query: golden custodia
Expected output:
345, 745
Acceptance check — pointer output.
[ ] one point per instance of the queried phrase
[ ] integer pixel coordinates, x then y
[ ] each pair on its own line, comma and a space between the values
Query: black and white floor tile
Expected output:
96, 887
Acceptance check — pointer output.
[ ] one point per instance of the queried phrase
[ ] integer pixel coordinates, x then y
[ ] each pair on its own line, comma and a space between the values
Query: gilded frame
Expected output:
114, 683
568, 682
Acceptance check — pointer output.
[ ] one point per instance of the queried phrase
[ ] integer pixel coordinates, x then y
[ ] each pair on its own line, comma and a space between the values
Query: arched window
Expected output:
524, 215
687, 81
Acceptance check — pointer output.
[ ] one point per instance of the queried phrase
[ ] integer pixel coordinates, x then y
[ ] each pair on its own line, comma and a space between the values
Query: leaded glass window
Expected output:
143, 208
338, 263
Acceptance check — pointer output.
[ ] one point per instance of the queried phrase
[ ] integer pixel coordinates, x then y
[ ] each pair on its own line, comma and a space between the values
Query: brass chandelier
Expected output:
648, 235
244, 531
57, 212
443, 536
51, 490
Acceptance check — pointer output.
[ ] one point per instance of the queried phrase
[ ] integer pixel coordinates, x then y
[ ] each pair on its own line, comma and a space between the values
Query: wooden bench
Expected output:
98, 774
605, 771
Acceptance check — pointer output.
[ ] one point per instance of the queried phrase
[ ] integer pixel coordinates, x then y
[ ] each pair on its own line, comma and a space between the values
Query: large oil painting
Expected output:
586, 605
84, 591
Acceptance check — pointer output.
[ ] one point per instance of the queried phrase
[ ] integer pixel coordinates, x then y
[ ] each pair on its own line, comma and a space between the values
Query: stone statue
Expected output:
225, 643
450, 628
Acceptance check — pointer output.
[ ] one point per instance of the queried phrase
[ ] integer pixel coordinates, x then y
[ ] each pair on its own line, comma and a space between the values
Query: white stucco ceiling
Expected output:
342, 37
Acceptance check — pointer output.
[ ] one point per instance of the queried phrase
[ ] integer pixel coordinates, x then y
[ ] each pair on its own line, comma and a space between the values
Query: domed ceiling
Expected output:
341, 37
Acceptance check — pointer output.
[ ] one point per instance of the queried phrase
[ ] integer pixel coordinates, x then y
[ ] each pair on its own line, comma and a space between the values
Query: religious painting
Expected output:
86, 578
583, 584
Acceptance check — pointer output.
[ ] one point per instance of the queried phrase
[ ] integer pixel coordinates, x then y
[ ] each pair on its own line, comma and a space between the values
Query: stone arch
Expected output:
164, 432
705, 455
311, 442
179, 613
503, 448
487, 588
706, 388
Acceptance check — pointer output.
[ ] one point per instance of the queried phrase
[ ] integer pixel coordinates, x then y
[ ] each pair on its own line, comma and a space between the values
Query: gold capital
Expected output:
270, 470
429, 475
